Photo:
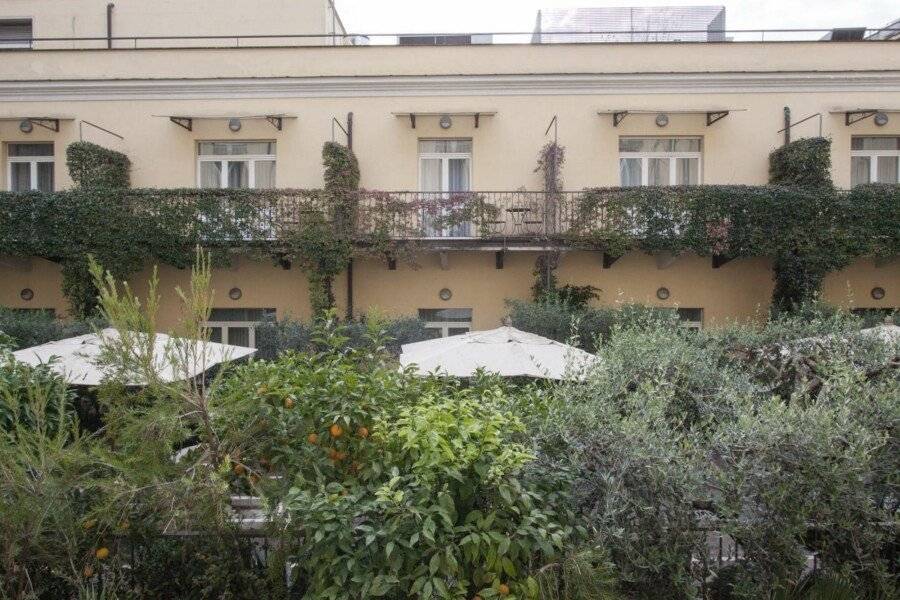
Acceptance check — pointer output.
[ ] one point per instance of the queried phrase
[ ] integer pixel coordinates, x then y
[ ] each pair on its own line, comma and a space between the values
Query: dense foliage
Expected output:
94, 167
805, 162
379, 482
273, 339
33, 328
807, 232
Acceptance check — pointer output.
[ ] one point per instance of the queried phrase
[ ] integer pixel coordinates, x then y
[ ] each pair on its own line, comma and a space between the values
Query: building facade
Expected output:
255, 112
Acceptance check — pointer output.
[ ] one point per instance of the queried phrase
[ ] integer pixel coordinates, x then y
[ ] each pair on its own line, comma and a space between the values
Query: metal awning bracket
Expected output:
855, 116
712, 117
51, 124
477, 118
618, 117
412, 120
185, 122
276, 121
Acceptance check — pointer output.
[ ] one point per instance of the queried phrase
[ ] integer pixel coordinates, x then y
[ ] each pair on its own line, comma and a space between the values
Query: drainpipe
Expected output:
350, 290
787, 125
109, 11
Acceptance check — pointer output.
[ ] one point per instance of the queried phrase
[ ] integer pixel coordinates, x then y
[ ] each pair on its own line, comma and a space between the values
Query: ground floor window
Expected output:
444, 322
30, 167
237, 326
690, 318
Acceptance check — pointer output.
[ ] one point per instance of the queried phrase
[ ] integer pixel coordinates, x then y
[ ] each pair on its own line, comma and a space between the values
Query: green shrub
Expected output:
804, 162
94, 167
558, 318
33, 328
273, 339
393, 484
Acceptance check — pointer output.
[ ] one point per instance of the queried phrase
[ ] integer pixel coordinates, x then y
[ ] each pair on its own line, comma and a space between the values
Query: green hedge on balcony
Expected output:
808, 232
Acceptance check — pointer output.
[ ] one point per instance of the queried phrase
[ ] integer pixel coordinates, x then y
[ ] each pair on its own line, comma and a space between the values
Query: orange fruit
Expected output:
336, 456
503, 590
336, 431
88, 571
313, 438
239, 469
363, 432
289, 403
102, 553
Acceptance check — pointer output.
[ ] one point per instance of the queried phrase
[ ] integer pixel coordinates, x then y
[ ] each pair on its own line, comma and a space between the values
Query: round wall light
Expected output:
445, 294
234, 125
877, 293
446, 122
235, 293
662, 120
881, 119
26, 294
26, 126
663, 293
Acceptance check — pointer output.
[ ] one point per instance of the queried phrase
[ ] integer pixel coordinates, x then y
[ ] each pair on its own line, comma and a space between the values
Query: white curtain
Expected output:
45, 176
630, 169
458, 181
887, 169
210, 175
658, 171
265, 174
21, 177
859, 166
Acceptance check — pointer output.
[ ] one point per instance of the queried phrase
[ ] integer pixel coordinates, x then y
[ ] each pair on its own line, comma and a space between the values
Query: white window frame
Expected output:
446, 326
672, 156
33, 160
251, 159
226, 325
445, 158
873, 156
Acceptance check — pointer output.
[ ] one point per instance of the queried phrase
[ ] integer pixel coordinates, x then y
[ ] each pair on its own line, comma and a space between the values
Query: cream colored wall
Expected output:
505, 147
87, 18
785, 58
737, 291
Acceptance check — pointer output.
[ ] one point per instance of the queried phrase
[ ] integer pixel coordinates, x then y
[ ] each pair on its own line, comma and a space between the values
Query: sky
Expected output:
442, 16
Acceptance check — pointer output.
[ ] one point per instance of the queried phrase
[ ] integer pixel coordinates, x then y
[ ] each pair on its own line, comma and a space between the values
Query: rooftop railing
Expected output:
419, 40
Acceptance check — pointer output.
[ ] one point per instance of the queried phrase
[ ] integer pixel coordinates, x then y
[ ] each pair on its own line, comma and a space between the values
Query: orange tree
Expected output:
385, 483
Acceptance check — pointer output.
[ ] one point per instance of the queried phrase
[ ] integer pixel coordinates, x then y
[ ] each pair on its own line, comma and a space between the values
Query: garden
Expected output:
745, 462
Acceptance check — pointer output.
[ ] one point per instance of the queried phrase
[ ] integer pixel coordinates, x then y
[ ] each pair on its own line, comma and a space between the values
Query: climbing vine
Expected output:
805, 162
322, 244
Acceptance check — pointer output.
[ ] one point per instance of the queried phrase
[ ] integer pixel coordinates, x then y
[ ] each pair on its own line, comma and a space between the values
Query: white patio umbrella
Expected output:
76, 359
506, 351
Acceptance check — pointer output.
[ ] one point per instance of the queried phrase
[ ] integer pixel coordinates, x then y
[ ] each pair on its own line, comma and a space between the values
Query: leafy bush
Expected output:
559, 318
392, 484
273, 339
94, 167
679, 434
804, 162
33, 328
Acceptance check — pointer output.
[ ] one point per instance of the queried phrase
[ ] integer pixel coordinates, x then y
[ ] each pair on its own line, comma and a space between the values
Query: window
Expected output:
659, 161
237, 326
15, 33
691, 318
444, 322
236, 165
445, 167
30, 167
874, 160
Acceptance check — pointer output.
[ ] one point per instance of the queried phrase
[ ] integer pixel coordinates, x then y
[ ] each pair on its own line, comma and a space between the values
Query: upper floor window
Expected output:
659, 161
224, 165
874, 160
15, 33
30, 167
